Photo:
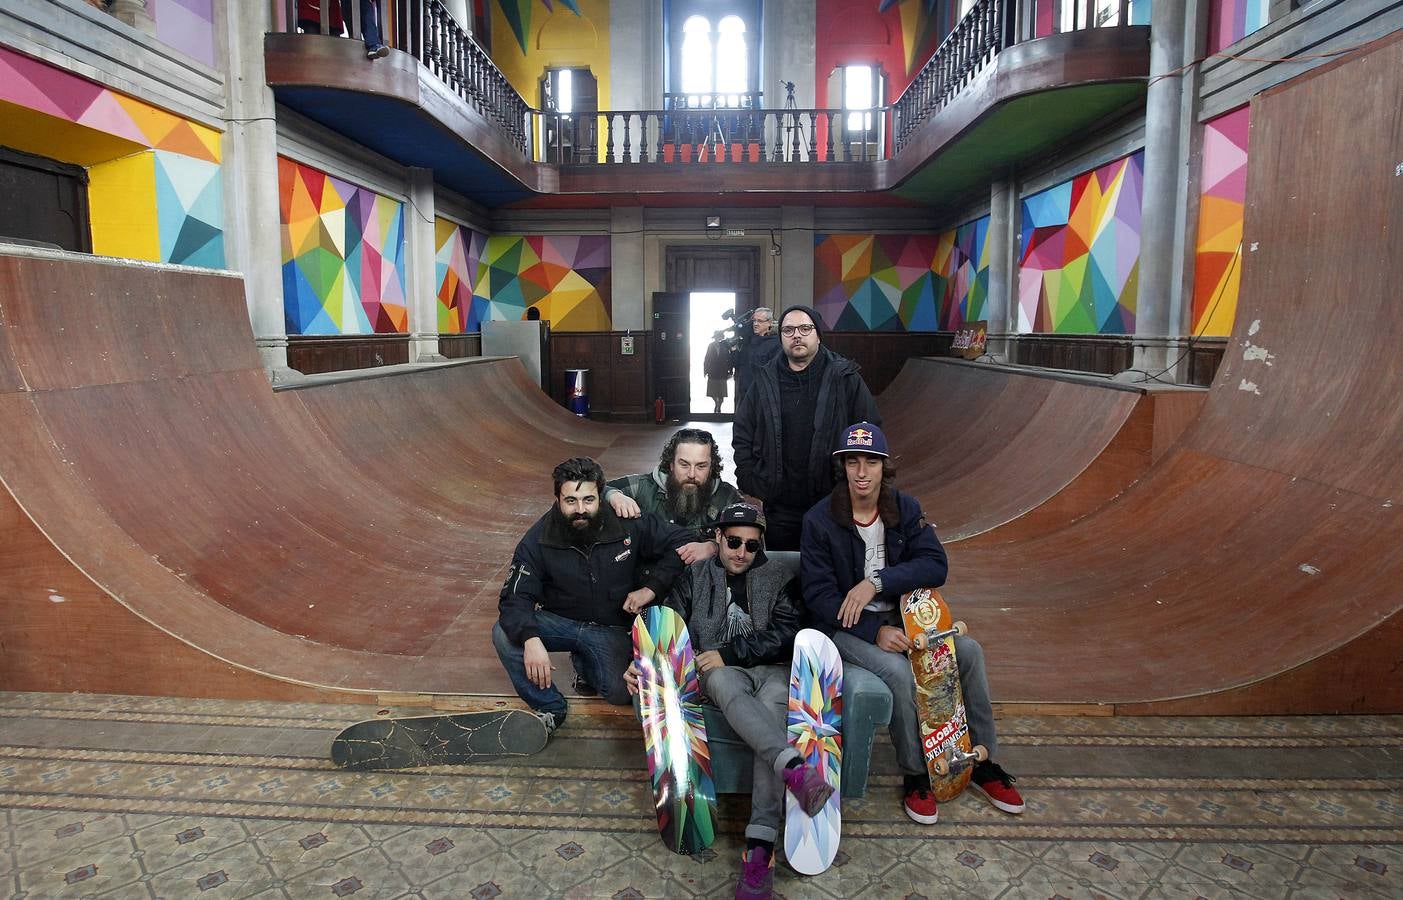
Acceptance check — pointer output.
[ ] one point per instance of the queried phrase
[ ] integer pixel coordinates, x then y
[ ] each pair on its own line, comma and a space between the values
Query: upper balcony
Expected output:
1008, 84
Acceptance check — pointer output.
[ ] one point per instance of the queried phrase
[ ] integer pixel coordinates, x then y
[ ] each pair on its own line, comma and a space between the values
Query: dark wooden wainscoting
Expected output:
881, 354
1108, 354
460, 346
617, 384
312, 355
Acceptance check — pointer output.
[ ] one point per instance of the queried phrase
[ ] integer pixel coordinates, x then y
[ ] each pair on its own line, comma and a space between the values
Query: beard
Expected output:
581, 536
684, 506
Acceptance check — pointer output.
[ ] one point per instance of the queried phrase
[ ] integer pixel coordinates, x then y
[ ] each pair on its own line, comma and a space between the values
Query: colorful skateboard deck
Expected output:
438, 740
815, 723
674, 732
940, 704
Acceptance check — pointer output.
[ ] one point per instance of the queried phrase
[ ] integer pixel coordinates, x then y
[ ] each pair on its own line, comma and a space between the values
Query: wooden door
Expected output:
668, 348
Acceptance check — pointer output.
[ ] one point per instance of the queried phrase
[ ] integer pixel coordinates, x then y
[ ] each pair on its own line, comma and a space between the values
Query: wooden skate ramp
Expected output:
1003, 453
1260, 565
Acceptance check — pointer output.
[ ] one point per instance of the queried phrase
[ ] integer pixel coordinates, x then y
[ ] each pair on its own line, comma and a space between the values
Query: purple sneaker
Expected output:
810, 788
757, 875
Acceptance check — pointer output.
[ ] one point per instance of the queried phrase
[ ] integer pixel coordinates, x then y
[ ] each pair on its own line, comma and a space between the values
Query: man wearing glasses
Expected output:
790, 420
759, 347
742, 612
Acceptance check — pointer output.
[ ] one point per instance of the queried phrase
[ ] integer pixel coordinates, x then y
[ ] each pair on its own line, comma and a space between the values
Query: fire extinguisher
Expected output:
659, 410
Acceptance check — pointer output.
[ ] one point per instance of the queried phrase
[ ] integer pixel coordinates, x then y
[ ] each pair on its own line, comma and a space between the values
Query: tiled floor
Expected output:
142, 797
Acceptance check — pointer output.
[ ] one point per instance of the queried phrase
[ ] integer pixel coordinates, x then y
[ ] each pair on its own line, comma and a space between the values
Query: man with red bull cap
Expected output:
864, 546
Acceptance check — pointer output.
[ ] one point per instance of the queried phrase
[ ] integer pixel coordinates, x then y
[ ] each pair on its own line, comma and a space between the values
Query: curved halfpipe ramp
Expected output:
998, 454
351, 536
1262, 560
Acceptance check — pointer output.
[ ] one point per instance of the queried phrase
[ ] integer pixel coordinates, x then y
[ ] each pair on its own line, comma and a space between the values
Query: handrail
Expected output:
988, 28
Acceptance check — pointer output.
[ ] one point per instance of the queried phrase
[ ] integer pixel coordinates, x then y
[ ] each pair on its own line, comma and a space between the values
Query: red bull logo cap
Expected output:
864, 437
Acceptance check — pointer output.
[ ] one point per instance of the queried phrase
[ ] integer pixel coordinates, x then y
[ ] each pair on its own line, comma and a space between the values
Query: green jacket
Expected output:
649, 491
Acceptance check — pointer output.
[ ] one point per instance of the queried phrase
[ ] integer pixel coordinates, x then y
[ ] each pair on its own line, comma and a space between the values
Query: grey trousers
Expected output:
755, 703
895, 671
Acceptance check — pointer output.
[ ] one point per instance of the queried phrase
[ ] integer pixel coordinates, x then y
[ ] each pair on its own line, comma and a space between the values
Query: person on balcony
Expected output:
864, 546
309, 20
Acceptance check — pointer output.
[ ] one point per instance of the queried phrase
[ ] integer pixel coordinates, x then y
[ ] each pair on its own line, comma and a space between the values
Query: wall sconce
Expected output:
713, 228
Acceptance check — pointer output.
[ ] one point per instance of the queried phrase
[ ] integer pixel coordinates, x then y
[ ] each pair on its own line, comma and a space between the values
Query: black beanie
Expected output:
806, 310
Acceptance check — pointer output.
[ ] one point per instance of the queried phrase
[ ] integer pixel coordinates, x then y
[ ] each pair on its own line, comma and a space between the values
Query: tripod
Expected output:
793, 133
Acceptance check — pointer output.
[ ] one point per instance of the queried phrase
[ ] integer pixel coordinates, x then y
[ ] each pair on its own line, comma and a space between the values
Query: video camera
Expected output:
734, 334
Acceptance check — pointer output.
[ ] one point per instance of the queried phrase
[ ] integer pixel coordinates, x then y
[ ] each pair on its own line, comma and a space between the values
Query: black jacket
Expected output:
834, 557
548, 572
756, 350
773, 593
843, 400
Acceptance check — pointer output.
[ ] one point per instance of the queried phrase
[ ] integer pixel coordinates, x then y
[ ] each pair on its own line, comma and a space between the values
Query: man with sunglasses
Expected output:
742, 611
790, 419
864, 546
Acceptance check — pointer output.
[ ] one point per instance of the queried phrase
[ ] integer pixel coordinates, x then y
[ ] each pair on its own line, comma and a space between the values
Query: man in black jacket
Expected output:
758, 347
742, 612
575, 584
864, 546
790, 420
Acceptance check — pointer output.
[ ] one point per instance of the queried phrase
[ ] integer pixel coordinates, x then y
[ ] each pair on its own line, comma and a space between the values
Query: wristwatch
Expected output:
876, 579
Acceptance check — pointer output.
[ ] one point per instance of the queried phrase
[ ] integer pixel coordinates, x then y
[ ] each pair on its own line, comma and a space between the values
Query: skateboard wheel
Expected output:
960, 628
941, 766
979, 752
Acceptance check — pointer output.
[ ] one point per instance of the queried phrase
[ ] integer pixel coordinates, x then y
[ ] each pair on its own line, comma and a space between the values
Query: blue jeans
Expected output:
895, 670
600, 654
369, 21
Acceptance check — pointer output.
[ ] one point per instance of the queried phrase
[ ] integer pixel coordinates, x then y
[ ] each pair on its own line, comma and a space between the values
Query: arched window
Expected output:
697, 75
732, 59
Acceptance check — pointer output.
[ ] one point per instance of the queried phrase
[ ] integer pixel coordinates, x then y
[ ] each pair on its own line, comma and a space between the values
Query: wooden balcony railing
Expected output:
989, 27
802, 136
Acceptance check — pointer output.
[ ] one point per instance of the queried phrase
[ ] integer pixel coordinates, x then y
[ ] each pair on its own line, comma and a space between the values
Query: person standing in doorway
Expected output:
717, 366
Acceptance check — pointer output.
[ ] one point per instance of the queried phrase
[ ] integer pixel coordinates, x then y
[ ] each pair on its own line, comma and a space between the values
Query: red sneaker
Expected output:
997, 787
921, 806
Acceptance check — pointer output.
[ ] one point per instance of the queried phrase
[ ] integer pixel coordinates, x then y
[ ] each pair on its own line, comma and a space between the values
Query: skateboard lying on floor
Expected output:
674, 732
438, 740
815, 730
940, 704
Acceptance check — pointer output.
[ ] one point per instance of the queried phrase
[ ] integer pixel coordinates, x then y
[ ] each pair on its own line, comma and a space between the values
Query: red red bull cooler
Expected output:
576, 389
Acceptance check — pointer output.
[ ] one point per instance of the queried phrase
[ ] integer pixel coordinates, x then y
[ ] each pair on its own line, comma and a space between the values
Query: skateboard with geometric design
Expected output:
815, 730
438, 740
940, 704
674, 732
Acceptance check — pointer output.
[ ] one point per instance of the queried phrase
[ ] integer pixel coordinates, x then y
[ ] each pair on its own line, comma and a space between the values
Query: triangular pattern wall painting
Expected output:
1079, 254
1222, 197
343, 255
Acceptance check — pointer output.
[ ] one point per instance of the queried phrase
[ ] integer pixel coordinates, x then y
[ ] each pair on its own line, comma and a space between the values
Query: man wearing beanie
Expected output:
790, 420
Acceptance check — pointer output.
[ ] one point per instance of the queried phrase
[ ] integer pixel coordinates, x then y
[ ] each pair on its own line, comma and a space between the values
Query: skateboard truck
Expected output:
931, 638
957, 761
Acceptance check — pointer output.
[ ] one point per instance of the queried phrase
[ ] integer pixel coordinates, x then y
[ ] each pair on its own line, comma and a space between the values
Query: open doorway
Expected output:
705, 319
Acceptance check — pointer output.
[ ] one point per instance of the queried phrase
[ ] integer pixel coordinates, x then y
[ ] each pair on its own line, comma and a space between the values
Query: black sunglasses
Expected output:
752, 545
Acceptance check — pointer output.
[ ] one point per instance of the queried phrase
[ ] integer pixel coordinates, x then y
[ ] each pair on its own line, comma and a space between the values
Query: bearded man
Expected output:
575, 583
685, 489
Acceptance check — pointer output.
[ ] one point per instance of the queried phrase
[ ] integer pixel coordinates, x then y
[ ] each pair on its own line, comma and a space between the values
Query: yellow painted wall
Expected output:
122, 207
555, 39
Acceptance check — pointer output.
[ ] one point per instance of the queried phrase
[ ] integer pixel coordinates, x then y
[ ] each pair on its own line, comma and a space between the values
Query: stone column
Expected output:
626, 261
796, 260
421, 283
1164, 205
252, 234
1001, 307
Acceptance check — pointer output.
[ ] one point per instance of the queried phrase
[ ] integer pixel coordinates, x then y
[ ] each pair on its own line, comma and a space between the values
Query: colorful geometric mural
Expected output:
1080, 253
155, 189
343, 255
919, 24
518, 14
1229, 21
962, 266
186, 25
457, 252
901, 282
1223, 193
567, 277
